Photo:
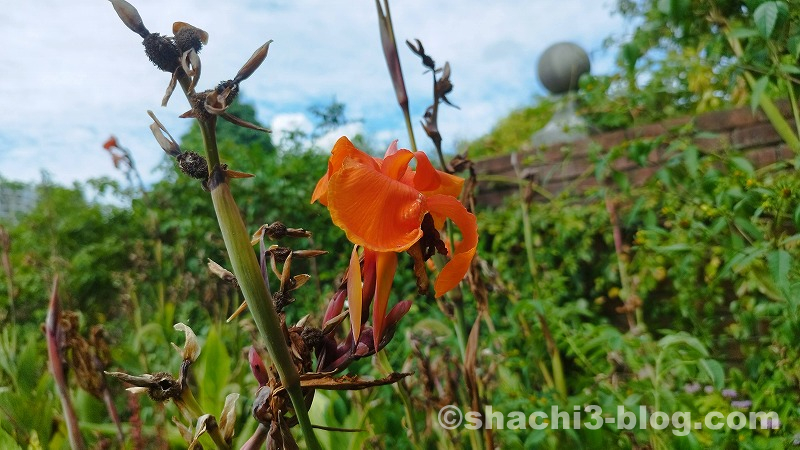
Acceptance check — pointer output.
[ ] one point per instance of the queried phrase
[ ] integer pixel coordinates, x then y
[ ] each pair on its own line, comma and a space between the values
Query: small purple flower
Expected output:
771, 424
796, 439
708, 389
742, 404
729, 393
692, 388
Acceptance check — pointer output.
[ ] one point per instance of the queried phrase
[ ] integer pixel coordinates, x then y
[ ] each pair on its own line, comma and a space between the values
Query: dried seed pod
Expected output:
189, 37
193, 164
312, 337
162, 52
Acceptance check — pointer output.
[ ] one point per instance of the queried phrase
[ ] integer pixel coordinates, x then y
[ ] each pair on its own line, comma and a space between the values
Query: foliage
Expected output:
507, 135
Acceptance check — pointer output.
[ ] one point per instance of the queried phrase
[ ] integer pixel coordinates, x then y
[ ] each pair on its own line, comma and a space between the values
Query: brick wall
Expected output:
569, 166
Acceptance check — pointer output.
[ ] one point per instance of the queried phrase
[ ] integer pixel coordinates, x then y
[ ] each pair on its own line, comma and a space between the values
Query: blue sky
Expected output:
73, 74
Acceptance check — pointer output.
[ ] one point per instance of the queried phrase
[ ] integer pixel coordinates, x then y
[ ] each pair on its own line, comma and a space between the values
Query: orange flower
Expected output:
381, 203
110, 143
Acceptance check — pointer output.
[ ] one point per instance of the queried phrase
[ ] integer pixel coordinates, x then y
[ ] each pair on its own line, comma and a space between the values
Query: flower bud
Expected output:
130, 17
253, 63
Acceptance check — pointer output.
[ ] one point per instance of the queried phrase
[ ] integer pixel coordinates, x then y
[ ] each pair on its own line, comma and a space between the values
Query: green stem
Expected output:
248, 274
410, 130
386, 367
555, 357
196, 410
793, 102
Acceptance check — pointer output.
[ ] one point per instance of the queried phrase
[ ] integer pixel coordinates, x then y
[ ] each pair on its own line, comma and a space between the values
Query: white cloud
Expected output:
75, 74
283, 124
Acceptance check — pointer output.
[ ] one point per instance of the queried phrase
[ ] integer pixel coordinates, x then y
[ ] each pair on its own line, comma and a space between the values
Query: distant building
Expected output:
15, 199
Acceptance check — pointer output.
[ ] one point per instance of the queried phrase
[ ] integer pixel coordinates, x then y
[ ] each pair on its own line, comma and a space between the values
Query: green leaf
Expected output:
213, 372
743, 33
682, 338
714, 370
793, 45
7, 441
766, 16
743, 164
790, 68
690, 159
780, 262
758, 90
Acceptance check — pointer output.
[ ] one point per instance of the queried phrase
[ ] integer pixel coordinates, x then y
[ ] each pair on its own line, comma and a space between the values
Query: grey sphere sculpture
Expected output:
560, 67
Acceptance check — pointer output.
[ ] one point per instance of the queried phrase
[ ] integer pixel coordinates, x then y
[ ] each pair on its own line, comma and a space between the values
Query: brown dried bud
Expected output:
275, 230
308, 253
160, 386
282, 300
193, 164
253, 63
279, 253
312, 337
162, 51
188, 36
130, 17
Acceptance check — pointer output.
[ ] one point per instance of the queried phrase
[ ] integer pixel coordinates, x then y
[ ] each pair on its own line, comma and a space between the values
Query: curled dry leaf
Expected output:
343, 383
191, 349
167, 143
223, 273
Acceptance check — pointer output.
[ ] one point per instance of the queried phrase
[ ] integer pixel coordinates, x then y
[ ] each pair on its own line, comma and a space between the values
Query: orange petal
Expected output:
391, 150
453, 272
354, 293
449, 185
387, 265
342, 150
426, 177
374, 210
395, 165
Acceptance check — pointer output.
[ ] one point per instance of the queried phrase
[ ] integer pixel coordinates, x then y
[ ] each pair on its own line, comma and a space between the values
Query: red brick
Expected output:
755, 136
726, 120
713, 144
674, 124
639, 176
646, 131
610, 139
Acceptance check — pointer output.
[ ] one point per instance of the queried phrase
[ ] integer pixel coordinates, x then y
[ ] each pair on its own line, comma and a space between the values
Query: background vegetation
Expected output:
680, 295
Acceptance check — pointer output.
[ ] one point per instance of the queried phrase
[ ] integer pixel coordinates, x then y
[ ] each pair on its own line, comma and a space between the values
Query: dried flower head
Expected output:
189, 37
162, 52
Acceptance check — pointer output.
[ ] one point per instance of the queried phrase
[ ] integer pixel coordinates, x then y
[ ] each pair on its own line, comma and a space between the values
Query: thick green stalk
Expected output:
410, 130
248, 275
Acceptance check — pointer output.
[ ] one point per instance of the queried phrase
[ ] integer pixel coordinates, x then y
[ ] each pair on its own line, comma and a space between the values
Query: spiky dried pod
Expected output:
162, 52
312, 337
193, 164
189, 37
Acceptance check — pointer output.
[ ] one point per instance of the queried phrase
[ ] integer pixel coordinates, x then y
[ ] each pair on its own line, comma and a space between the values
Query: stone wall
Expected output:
571, 166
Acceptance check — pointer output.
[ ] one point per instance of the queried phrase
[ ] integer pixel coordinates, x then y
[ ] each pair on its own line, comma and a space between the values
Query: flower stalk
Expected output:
248, 274
54, 338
